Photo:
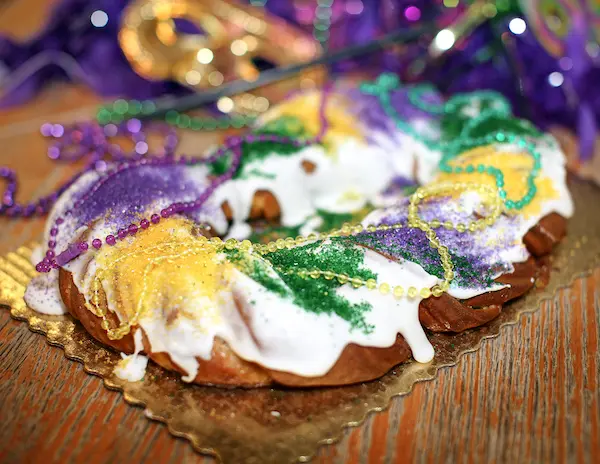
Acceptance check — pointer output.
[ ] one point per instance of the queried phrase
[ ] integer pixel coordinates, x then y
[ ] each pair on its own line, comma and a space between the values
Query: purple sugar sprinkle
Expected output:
123, 198
477, 254
369, 110
233, 145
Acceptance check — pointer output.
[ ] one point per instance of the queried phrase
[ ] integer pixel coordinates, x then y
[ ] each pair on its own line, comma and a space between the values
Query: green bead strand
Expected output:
382, 89
121, 110
415, 97
386, 83
322, 21
500, 137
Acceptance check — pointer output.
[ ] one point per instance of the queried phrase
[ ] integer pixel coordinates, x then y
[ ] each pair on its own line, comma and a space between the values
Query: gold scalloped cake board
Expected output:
238, 425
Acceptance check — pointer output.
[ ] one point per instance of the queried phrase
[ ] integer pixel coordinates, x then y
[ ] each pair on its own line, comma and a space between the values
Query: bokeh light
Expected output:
444, 40
205, 55
517, 26
99, 18
412, 13
556, 79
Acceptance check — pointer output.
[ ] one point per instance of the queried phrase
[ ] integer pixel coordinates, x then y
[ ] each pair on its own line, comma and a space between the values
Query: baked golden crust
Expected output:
264, 206
75, 303
356, 363
542, 237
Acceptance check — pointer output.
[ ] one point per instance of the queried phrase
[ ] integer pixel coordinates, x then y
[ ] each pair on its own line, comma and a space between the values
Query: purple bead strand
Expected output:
233, 145
75, 143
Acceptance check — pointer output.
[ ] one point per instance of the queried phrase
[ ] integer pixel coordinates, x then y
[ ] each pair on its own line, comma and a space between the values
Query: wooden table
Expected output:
531, 395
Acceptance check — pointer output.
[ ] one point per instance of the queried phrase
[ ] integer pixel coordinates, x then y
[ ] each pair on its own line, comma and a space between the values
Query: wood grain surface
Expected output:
531, 395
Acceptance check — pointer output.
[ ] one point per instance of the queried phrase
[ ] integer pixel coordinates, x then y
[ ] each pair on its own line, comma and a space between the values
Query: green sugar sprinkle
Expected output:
454, 125
507, 124
284, 126
259, 270
314, 295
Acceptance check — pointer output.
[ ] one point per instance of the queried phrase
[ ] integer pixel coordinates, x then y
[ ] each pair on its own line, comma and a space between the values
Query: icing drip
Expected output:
283, 329
265, 315
185, 293
132, 367
340, 184
361, 154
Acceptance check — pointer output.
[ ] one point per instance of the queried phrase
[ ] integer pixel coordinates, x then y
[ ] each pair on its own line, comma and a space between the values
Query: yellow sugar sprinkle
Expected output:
341, 123
515, 166
165, 268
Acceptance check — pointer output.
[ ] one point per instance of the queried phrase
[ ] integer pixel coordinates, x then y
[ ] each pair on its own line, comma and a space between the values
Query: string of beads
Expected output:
388, 83
122, 110
453, 150
414, 221
489, 197
322, 21
232, 145
488, 194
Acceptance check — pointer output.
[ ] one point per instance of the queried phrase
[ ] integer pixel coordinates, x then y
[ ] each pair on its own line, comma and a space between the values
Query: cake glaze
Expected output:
184, 292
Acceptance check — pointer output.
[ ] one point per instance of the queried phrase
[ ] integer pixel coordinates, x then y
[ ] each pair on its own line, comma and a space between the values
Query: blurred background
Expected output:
112, 60
206, 69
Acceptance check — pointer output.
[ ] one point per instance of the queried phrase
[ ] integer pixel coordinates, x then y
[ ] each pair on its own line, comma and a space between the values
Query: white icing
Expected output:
275, 332
410, 157
42, 294
342, 182
186, 338
463, 293
283, 336
351, 178
132, 367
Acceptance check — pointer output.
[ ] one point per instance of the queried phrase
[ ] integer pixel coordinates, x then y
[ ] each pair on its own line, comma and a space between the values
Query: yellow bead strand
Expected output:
489, 195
